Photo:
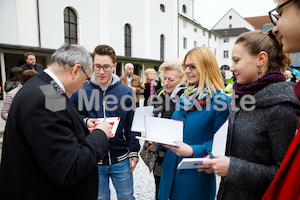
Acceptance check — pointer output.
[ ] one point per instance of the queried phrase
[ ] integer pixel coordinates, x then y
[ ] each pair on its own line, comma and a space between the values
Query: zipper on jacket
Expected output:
109, 157
104, 114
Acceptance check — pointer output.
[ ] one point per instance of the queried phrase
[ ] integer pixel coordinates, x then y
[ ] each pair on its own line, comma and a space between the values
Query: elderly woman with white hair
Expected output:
171, 73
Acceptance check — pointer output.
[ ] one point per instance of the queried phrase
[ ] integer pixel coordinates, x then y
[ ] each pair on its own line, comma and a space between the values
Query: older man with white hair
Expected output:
48, 152
133, 81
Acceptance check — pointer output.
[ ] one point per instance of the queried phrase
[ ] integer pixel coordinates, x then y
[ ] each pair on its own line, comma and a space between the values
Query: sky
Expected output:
209, 12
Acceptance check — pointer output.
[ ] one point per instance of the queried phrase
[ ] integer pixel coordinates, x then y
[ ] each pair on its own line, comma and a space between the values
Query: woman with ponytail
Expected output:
261, 130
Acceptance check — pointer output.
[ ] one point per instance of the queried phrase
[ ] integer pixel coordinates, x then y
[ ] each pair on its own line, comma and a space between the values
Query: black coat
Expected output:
46, 154
38, 67
147, 91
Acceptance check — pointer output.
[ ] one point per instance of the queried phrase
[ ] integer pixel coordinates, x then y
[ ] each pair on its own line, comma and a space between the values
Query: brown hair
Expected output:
27, 54
258, 41
15, 74
105, 50
28, 74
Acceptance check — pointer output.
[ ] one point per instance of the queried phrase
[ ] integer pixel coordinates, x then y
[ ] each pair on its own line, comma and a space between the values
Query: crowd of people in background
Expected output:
55, 148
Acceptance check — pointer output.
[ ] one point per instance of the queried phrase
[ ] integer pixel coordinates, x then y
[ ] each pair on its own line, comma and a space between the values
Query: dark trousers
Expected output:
157, 180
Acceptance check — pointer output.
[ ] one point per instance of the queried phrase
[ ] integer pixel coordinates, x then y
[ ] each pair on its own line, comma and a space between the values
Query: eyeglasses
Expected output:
88, 80
97, 68
275, 14
191, 66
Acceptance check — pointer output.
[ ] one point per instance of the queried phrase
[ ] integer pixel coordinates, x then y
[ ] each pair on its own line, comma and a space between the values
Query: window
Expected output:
230, 25
184, 8
230, 17
215, 38
215, 52
195, 30
185, 43
70, 24
127, 38
162, 8
225, 54
209, 35
225, 67
226, 40
162, 47
203, 33
195, 44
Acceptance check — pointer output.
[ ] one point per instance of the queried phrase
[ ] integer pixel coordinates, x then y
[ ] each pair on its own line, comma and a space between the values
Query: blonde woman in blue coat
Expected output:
203, 108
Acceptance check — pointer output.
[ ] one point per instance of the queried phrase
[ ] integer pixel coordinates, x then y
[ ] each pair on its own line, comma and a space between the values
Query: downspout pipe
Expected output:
178, 28
38, 19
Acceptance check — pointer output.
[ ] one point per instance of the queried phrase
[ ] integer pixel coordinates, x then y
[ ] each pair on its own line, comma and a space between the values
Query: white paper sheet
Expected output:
220, 139
114, 121
192, 163
165, 131
138, 123
218, 147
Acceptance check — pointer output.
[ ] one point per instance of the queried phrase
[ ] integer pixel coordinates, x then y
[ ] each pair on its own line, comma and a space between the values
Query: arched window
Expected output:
70, 23
184, 8
127, 38
162, 47
225, 67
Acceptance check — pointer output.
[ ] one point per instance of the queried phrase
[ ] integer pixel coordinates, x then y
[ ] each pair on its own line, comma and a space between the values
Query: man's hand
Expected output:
106, 127
133, 162
133, 89
91, 122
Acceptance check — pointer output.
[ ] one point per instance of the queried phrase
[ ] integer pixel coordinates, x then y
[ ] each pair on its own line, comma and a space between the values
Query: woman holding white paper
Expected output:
260, 133
203, 108
171, 73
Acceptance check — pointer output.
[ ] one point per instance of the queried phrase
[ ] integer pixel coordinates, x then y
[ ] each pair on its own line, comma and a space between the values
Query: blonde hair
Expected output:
288, 73
171, 64
209, 72
147, 71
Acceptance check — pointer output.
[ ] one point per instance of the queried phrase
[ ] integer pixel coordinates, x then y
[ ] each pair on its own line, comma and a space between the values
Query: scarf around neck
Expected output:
272, 76
152, 91
188, 97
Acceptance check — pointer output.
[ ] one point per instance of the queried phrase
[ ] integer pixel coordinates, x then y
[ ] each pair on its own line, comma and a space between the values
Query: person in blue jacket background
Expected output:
203, 108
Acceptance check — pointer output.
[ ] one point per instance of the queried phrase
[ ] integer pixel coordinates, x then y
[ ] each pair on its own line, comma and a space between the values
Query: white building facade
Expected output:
144, 32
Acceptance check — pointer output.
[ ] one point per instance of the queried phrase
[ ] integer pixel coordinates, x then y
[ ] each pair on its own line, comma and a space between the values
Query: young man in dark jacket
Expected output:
106, 96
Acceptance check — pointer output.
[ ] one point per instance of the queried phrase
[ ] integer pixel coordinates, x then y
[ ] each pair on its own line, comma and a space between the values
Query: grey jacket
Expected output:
258, 140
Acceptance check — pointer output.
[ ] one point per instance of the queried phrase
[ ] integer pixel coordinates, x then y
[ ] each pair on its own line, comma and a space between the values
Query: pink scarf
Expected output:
151, 88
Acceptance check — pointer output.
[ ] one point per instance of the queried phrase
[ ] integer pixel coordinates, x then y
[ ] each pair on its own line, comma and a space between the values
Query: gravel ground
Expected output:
143, 182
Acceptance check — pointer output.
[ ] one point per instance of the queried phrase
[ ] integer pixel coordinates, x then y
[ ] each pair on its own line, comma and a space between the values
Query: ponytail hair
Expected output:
258, 41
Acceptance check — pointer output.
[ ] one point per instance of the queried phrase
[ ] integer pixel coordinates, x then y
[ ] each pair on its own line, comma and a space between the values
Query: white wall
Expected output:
8, 22
52, 22
236, 21
226, 47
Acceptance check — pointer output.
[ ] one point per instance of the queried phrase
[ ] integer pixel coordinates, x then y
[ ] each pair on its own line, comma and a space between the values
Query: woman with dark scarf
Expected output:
260, 130
150, 86
201, 104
